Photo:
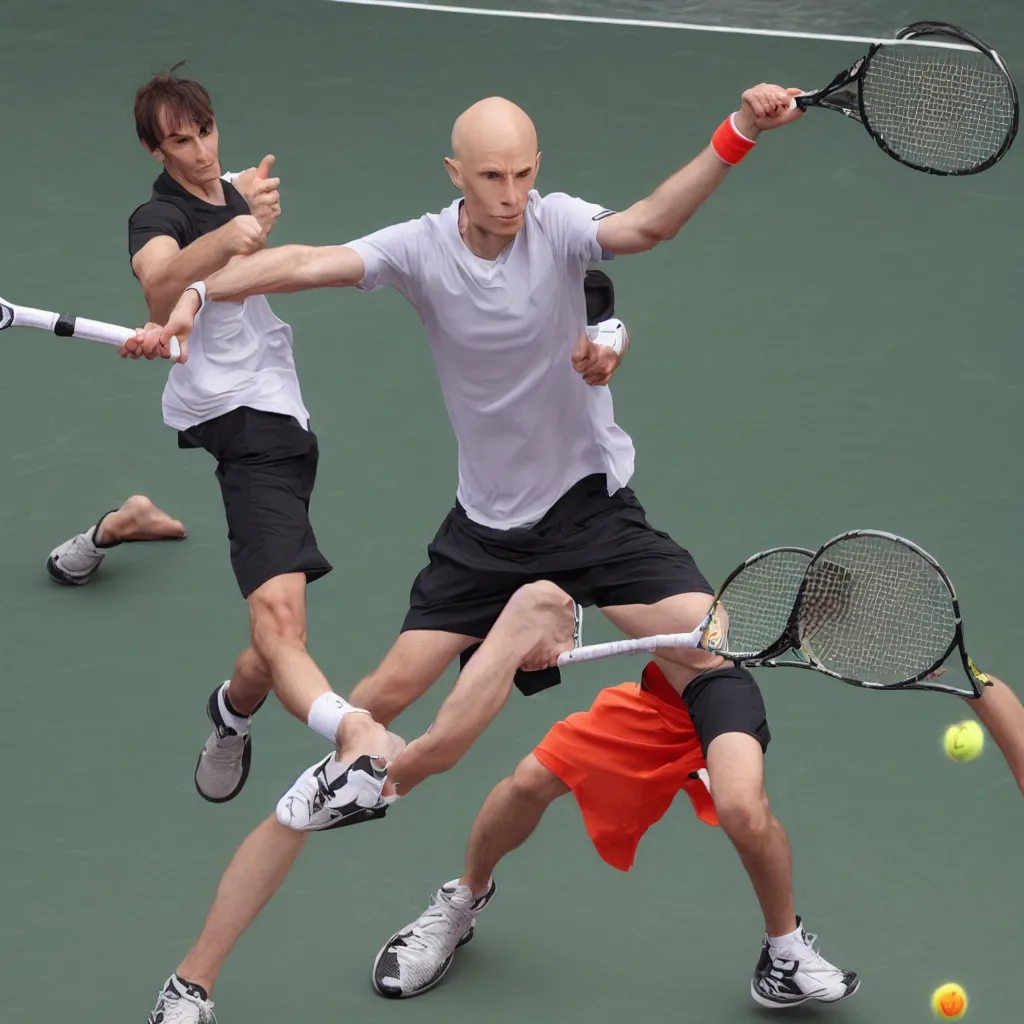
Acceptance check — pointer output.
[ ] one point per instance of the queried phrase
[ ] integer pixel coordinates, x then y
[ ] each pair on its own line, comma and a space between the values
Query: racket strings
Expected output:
876, 611
759, 601
944, 109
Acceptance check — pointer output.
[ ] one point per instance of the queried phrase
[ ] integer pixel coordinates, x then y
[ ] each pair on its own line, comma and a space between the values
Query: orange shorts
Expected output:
625, 760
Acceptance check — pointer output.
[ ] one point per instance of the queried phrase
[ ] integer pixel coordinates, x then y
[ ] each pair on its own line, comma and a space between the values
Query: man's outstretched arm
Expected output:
535, 627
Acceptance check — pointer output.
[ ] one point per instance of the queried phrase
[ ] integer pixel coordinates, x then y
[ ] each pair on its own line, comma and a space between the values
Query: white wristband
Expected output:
199, 287
612, 334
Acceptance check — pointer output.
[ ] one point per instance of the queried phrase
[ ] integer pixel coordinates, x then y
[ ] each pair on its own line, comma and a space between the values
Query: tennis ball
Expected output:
964, 741
949, 1002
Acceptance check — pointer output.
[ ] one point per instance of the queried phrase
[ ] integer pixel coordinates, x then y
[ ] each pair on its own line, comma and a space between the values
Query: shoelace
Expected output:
225, 752
422, 938
816, 961
80, 551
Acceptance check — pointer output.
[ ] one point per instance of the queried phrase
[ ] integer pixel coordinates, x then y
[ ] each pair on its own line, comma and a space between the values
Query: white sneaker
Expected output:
798, 974
181, 1003
314, 804
415, 959
74, 562
224, 762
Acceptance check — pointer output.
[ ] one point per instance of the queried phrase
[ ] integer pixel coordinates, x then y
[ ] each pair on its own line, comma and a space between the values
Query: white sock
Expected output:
230, 719
786, 942
326, 714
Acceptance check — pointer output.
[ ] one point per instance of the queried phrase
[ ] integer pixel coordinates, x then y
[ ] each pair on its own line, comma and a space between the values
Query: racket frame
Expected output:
921, 681
854, 77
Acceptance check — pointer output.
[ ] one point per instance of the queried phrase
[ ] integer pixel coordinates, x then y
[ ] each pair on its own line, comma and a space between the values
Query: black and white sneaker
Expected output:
224, 762
316, 802
798, 974
181, 1002
415, 959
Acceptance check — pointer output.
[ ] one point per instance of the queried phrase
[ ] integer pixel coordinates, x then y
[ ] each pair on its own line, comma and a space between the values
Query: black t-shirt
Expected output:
173, 210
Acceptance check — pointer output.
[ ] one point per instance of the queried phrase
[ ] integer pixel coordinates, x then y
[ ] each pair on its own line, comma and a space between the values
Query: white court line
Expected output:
586, 19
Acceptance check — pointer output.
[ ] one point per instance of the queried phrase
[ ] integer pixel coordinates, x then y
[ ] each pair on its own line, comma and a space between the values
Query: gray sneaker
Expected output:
415, 959
224, 761
73, 563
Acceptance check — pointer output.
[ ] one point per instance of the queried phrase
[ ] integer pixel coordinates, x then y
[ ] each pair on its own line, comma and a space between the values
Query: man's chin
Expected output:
508, 227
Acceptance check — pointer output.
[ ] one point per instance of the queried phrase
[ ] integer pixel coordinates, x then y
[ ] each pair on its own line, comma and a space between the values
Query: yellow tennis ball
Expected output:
949, 1002
964, 741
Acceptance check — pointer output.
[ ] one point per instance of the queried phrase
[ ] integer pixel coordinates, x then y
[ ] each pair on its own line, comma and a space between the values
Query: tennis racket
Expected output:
936, 98
870, 609
67, 326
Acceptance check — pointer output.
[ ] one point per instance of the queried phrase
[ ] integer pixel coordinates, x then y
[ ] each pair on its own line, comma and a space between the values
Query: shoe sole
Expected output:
246, 764
62, 578
769, 1004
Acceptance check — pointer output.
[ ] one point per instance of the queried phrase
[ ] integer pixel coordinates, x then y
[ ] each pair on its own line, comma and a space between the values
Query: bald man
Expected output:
497, 280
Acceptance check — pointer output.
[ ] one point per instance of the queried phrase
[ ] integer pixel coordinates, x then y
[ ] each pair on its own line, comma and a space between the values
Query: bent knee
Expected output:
275, 618
532, 781
744, 815
541, 597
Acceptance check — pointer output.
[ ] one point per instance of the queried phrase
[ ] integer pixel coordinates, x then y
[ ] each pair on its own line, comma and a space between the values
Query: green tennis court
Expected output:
833, 342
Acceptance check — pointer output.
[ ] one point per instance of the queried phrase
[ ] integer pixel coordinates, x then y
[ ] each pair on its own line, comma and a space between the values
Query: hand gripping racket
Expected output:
936, 98
868, 608
67, 326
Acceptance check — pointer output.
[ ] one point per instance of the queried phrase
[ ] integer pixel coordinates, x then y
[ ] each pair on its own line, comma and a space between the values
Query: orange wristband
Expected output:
730, 145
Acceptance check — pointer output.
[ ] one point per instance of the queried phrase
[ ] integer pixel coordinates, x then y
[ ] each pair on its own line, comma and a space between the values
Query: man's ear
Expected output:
454, 172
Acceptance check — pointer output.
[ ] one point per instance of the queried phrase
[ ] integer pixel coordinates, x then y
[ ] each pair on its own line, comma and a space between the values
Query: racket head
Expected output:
949, 110
7, 310
753, 608
879, 612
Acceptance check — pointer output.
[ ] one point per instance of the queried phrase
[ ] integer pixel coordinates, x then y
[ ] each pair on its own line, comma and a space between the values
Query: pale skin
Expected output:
495, 177
138, 519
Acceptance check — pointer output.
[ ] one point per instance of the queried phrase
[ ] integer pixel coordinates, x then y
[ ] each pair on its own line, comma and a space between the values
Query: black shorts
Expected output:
599, 549
266, 467
727, 700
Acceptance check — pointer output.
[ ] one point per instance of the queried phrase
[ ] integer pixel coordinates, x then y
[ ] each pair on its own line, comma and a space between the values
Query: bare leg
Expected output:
736, 770
510, 814
264, 859
255, 873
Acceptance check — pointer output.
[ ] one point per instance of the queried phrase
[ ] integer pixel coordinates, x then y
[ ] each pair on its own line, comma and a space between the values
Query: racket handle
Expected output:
643, 645
66, 326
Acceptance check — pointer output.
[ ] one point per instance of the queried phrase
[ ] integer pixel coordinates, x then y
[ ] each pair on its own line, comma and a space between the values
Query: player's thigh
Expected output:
729, 716
534, 781
417, 659
736, 780
680, 613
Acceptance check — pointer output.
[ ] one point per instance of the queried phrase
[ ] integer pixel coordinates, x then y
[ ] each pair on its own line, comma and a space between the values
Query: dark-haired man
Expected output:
239, 399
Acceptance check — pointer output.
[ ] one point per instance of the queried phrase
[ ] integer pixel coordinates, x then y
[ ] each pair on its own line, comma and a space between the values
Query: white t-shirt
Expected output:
502, 333
239, 354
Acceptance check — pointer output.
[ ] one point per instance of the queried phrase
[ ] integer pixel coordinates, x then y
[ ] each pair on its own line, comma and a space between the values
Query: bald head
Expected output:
493, 127
493, 164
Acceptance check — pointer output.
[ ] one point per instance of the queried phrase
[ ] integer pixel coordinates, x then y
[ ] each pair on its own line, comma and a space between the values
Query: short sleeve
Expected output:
154, 219
572, 223
392, 257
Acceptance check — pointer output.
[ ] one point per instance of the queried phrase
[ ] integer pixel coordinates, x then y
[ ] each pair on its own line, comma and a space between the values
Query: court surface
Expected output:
832, 343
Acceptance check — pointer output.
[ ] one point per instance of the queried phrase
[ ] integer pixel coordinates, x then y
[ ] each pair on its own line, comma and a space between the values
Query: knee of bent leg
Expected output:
532, 781
276, 617
541, 599
743, 811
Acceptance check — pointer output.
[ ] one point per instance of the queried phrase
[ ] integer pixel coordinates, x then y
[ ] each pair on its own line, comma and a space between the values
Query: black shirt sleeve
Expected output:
156, 218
